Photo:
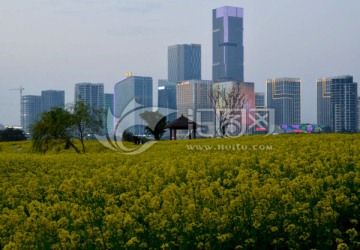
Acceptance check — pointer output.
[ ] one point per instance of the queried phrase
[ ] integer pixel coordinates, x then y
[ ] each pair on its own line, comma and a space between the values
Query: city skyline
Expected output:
55, 45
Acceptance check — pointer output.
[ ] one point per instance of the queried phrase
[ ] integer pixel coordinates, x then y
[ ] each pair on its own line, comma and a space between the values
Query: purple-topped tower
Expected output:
228, 46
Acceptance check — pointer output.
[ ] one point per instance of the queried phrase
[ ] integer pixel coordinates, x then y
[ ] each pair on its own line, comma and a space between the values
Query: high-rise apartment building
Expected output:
90, 93
167, 98
184, 62
259, 100
132, 96
30, 111
194, 102
337, 103
228, 48
284, 96
343, 103
52, 99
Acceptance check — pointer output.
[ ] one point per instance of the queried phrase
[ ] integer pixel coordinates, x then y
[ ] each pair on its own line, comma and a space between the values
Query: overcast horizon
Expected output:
48, 44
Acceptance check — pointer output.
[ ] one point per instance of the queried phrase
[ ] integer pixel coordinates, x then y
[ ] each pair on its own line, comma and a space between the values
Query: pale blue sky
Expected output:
54, 44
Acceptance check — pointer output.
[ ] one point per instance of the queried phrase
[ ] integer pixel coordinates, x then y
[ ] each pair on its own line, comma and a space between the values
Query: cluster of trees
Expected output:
11, 134
61, 126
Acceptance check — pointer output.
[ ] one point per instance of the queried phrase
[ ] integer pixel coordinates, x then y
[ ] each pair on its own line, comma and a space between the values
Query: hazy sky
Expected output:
52, 44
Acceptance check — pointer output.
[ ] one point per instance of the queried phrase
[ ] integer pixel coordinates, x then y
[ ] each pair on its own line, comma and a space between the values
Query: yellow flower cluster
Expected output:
299, 192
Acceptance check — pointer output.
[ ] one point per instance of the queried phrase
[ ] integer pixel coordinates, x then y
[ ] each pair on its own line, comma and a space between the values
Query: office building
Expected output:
343, 103
52, 99
259, 100
167, 99
324, 116
228, 48
132, 96
90, 93
30, 111
194, 102
284, 96
184, 62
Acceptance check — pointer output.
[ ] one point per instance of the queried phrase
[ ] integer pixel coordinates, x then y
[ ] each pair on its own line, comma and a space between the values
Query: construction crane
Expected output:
19, 89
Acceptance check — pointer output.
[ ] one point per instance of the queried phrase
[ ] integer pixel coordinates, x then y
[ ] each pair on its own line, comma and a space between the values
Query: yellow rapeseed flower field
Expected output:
251, 192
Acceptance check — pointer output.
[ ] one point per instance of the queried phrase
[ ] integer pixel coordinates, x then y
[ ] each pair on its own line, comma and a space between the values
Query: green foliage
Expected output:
53, 128
11, 134
301, 193
156, 123
60, 126
86, 120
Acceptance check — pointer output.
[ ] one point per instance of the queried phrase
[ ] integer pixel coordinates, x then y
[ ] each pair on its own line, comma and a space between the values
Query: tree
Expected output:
61, 126
11, 134
53, 128
227, 103
86, 120
156, 123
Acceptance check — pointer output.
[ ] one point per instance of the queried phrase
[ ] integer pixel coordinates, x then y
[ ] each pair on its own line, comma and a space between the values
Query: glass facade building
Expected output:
284, 96
133, 88
184, 62
90, 93
30, 111
324, 117
228, 46
259, 100
52, 99
343, 103
167, 98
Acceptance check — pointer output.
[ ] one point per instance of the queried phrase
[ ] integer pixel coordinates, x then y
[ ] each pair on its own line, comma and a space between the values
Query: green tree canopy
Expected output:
53, 128
11, 134
61, 126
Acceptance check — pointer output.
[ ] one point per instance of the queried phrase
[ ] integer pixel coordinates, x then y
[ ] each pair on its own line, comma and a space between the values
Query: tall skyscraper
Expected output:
30, 111
167, 98
324, 116
283, 95
343, 103
194, 102
228, 48
133, 88
90, 93
259, 100
184, 62
52, 99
